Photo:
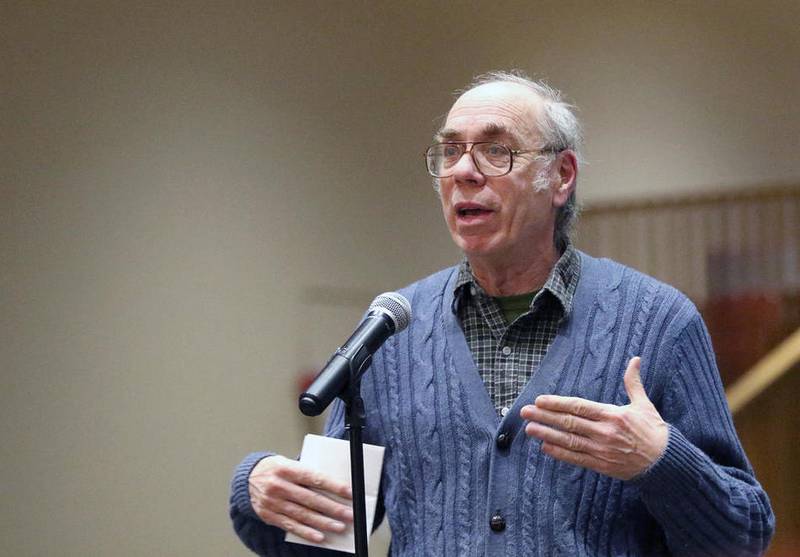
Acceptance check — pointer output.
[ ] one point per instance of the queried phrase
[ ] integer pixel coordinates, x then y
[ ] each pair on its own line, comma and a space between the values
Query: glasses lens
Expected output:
442, 157
493, 159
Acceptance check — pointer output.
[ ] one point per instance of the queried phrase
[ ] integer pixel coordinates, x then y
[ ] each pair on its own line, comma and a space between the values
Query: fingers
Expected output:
290, 525
571, 441
313, 511
565, 421
604, 439
304, 476
288, 495
584, 460
608, 450
633, 381
279, 489
569, 404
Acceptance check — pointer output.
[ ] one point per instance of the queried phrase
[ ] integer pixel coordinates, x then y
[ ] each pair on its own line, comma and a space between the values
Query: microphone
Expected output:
388, 314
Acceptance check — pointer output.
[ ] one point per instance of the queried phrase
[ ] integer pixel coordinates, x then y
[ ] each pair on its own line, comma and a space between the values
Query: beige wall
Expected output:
184, 188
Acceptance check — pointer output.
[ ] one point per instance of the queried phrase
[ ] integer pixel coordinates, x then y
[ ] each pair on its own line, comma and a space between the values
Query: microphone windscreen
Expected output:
395, 306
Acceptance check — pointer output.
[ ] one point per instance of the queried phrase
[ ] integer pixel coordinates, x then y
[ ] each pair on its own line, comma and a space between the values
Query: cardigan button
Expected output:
503, 441
497, 523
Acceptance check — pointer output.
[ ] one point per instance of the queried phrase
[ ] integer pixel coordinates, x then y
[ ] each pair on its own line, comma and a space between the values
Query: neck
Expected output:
519, 274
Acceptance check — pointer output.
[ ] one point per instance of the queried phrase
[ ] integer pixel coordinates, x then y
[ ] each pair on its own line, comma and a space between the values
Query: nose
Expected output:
465, 172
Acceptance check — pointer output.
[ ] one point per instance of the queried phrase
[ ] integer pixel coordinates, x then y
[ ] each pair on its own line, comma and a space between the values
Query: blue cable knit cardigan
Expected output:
445, 475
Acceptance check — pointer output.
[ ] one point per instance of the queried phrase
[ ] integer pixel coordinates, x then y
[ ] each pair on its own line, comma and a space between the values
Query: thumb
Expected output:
633, 381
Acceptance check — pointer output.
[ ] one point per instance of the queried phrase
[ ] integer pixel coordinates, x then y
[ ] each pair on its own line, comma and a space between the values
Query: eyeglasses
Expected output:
491, 159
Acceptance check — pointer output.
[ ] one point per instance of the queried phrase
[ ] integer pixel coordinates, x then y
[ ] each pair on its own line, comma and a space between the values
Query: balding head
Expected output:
515, 103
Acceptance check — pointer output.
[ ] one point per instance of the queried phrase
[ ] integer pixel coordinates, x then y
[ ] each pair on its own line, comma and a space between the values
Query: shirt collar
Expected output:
561, 282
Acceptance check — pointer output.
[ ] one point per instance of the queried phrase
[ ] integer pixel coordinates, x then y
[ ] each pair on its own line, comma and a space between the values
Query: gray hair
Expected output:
559, 129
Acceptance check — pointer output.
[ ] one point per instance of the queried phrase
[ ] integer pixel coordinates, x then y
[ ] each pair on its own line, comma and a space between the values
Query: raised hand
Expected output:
618, 441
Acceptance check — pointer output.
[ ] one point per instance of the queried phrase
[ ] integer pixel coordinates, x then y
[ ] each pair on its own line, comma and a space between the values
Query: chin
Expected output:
479, 248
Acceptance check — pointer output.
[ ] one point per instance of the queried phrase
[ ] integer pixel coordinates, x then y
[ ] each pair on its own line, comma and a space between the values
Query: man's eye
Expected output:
496, 150
451, 151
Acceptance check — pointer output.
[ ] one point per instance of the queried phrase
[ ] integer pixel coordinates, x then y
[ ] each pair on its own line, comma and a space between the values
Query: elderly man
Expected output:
542, 402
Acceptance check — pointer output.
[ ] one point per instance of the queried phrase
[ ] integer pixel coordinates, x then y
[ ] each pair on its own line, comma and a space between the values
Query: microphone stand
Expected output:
388, 314
354, 424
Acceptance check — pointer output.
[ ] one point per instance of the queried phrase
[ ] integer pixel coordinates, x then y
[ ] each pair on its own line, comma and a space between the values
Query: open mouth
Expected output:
472, 212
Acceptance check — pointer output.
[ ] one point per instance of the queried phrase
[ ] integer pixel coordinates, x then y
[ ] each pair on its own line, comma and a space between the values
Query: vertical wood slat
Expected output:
704, 245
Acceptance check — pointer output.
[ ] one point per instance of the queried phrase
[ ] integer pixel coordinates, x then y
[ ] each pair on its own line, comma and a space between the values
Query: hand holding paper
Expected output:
332, 457
286, 494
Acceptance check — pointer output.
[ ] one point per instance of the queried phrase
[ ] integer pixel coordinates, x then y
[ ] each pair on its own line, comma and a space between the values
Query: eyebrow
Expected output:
489, 131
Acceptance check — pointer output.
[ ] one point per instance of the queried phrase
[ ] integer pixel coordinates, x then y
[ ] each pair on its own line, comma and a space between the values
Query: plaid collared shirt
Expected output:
507, 355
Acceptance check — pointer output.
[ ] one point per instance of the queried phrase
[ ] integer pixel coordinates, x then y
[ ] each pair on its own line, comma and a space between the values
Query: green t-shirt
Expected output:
514, 306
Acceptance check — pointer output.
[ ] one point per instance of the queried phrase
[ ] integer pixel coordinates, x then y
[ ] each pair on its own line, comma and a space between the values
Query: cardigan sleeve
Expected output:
702, 491
264, 539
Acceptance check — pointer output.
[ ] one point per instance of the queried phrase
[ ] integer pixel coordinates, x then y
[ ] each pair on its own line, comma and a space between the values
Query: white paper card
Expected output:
332, 456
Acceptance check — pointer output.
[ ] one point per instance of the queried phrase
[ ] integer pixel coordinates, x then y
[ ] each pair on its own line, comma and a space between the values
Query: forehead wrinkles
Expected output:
472, 114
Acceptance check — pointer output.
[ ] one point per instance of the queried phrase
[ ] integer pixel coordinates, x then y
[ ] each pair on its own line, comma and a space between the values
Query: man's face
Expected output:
498, 217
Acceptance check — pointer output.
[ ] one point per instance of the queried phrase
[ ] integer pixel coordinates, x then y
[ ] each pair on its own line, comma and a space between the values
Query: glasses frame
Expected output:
472, 144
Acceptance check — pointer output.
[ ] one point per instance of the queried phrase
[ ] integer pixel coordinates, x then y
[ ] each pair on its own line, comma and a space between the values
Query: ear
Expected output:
567, 165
